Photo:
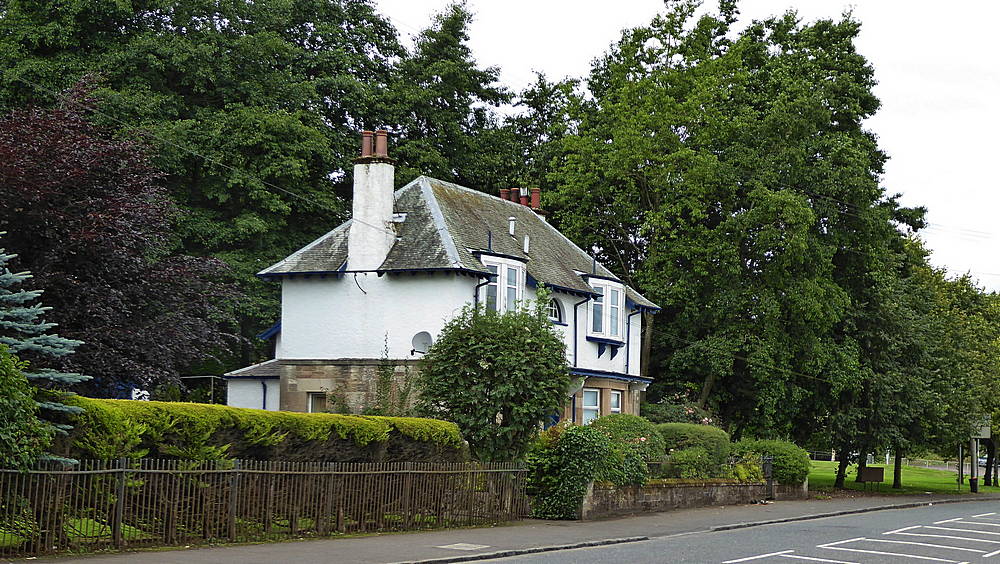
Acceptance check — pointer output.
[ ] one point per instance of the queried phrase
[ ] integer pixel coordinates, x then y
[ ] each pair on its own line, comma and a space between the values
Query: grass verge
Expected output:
915, 480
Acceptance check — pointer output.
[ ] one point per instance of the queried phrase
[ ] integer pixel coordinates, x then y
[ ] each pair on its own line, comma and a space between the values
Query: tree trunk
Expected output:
897, 471
841, 473
647, 344
862, 464
706, 389
991, 454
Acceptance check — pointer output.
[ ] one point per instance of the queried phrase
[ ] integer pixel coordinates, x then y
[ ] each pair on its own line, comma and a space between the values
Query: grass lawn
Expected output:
915, 480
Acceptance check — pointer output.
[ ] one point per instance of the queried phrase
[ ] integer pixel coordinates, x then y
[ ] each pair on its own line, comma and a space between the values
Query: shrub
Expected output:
634, 431
134, 429
679, 436
497, 376
692, 463
791, 463
561, 463
23, 436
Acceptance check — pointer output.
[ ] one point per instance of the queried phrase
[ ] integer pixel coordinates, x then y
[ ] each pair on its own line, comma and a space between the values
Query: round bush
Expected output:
791, 463
679, 436
692, 463
633, 431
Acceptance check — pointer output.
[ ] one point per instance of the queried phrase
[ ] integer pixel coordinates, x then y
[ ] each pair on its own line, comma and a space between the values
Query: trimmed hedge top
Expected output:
680, 436
635, 432
126, 428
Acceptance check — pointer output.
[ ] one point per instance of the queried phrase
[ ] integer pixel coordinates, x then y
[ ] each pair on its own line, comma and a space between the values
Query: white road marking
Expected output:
759, 556
892, 554
840, 542
984, 515
927, 544
463, 546
961, 530
903, 529
949, 537
814, 559
994, 553
948, 520
978, 523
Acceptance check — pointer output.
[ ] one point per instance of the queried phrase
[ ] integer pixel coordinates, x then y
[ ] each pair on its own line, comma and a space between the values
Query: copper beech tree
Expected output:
87, 215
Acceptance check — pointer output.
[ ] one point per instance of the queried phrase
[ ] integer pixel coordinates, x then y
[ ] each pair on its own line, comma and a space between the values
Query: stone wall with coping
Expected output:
605, 500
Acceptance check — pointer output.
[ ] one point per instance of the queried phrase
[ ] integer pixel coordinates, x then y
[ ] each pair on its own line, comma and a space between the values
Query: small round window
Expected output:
555, 311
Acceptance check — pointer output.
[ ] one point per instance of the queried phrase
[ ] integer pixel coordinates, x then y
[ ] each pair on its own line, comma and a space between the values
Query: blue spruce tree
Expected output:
26, 334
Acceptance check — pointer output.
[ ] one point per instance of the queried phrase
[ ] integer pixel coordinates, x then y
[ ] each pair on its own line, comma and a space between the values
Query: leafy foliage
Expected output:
561, 464
23, 436
90, 220
633, 432
251, 109
497, 376
681, 436
676, 411
125, 428
693, 463
791, 463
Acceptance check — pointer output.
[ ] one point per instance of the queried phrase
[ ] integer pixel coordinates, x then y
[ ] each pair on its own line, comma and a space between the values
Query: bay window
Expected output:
591, 405
607, 311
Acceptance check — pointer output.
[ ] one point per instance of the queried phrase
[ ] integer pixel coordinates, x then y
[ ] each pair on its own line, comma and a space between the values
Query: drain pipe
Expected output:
263, 385
475, 291
628, 337
576, 339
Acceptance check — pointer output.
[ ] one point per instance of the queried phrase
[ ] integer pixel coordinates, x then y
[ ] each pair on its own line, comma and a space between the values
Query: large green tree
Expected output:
252, 108
729, 176
443, 109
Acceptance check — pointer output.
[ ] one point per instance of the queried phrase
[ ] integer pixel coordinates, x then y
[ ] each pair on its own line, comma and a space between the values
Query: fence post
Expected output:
116, 522
768, 467
234, 485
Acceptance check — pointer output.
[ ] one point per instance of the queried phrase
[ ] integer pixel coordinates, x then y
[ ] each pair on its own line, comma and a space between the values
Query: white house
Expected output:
383, 284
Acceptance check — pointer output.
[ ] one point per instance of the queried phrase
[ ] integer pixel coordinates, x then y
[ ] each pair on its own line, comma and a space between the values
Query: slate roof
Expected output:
445, 228
266, 369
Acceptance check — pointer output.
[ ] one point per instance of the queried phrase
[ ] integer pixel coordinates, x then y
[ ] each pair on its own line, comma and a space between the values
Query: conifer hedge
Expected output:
109, 429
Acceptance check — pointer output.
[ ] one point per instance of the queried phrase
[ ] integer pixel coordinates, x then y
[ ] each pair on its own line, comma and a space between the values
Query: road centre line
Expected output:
814, 559
927, 544
949, 537
839, 542
948, 520
960, 530
758, 557
994, 553
983, 515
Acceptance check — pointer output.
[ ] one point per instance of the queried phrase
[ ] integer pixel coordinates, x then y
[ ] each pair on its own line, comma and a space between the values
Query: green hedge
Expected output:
791, 463
682, 436
124, 428
633, 431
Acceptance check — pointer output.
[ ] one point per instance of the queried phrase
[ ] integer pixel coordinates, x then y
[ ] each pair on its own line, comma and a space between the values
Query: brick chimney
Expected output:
371, 234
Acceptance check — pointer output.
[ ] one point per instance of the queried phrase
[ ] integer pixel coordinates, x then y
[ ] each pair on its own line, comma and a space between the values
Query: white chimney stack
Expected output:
371, 234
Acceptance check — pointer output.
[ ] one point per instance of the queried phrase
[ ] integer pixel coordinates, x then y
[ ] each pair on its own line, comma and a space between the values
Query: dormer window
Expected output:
507, 287
606, 309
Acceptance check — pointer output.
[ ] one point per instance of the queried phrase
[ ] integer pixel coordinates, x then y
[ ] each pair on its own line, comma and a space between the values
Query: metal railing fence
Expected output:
149, 502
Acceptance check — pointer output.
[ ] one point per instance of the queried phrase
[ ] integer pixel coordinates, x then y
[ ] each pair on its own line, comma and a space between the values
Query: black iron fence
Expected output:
128, 503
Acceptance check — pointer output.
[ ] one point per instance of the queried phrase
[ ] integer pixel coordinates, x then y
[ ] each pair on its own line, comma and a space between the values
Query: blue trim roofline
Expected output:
609, 375
270, 331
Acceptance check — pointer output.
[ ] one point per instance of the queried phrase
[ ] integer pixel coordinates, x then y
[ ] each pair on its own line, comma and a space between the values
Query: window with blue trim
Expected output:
507, 287
555, 311
607, 311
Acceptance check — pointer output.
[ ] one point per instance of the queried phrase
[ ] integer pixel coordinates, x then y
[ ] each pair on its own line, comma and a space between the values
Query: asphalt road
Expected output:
952, 534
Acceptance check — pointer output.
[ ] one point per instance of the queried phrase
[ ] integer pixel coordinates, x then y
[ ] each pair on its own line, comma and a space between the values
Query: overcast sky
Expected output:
937, 64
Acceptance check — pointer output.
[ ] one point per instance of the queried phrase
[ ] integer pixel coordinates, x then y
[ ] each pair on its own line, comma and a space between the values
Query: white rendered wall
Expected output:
350, 316
586, 351
248, 392
371, 235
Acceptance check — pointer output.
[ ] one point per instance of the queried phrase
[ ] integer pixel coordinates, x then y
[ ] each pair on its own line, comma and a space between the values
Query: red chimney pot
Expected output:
366, 143
536, 198
381, 143
505, 193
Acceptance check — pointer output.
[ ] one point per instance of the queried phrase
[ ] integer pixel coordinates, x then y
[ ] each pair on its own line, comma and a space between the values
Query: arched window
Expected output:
555, 311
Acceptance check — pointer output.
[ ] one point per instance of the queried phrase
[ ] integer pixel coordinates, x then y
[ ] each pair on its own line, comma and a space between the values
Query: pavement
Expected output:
524, 537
